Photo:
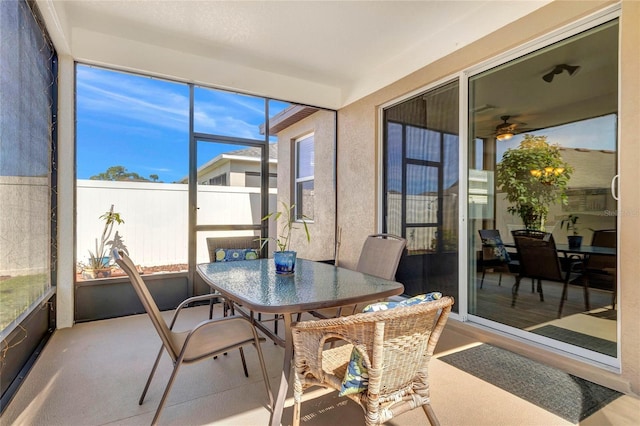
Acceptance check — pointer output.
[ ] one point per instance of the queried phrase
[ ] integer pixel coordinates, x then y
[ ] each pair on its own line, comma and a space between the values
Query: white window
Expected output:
304, 186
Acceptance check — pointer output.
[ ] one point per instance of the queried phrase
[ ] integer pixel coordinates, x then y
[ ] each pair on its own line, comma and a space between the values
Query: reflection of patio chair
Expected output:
539, 260
379, 257
494, 255
394, 345
601, 268
205, 340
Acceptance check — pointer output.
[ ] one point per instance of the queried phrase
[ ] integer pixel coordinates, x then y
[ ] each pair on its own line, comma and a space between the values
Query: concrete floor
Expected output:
93, 373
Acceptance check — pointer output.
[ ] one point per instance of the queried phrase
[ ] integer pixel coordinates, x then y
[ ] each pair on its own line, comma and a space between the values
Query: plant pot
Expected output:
92, 274
574, 241
285, 262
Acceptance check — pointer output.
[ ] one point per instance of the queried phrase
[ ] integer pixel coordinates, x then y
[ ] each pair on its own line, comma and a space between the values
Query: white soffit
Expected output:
323, 53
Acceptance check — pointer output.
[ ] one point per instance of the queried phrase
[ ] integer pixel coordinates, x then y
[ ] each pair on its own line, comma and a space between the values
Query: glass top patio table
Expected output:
255, 285
313, 285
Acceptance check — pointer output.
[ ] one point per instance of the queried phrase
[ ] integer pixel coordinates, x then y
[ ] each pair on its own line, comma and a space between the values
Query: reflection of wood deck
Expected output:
494, 302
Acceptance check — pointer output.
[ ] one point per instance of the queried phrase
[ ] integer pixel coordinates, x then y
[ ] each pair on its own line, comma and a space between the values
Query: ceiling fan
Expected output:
506, 130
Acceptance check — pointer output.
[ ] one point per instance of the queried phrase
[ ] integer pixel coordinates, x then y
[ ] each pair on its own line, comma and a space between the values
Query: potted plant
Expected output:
534, 175
284, 257
570, 223
98, 263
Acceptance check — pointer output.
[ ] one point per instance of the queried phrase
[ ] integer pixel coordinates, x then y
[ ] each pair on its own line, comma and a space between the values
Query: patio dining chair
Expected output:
539, 260
394, 345
379, 257
495, 255
203, 341
225, 249
601, 270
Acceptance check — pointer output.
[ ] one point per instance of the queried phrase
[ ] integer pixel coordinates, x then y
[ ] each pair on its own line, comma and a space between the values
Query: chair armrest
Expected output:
190, 300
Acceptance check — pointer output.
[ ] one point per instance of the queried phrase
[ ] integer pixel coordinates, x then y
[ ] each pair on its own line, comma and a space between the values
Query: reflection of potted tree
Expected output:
98, 262
570, 223
285, 258
533, 176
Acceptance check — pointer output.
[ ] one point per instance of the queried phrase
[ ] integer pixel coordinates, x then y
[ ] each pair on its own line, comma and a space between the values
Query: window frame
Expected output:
299, 206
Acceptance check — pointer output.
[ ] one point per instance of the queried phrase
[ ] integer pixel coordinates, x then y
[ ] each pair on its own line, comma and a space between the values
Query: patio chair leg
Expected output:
431, 415
484, 270
540, 290
587, 305
263, 367
514, 291
244, 363
166, 391
153, 371
500, 279
563, 298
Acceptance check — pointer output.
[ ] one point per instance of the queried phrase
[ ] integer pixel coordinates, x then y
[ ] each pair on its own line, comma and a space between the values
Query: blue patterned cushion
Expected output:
356, 378
383, 306
499, 250
230, 255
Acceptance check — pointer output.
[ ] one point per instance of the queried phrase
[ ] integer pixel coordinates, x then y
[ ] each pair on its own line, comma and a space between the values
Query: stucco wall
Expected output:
322, 228
358, 170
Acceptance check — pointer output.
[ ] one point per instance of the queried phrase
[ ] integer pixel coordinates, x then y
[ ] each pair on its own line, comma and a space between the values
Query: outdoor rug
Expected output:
571, 337
567, 396
610, 314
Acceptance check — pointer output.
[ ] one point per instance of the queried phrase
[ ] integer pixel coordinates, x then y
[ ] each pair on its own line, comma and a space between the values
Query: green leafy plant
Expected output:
286, 216
104, 247
570, 223
534, 176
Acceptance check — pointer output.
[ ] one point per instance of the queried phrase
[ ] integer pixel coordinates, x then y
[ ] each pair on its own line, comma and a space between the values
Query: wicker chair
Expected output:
396, 346
205, 340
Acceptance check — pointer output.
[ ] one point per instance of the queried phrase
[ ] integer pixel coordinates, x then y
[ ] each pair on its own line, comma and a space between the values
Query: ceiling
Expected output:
322, 53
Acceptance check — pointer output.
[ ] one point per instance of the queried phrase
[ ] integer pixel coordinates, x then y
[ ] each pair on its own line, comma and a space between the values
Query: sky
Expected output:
142, 123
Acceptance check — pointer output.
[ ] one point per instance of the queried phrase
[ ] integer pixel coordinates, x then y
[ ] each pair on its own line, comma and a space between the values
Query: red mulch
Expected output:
145, 270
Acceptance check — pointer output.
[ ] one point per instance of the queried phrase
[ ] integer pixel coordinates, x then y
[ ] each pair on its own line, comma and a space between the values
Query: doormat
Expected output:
560, 393
610, 314
571, 337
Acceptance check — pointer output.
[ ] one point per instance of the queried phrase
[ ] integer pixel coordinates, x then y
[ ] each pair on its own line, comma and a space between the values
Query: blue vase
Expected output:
285, 261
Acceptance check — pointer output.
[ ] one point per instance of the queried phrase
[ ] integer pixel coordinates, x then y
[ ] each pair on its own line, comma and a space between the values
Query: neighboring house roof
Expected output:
247, 154
591, 168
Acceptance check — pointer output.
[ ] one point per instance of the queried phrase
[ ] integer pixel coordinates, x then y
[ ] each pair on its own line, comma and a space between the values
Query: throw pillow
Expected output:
230, 255
356, 378
499, 250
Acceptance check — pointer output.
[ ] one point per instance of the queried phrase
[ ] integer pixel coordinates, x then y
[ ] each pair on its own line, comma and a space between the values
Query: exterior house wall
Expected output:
322, 228
359, 173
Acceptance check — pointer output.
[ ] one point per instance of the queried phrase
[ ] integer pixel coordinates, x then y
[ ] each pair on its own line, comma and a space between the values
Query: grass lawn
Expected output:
18, 293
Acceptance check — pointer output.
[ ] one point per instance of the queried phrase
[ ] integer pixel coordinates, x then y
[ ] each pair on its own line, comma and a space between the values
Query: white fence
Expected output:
155, 228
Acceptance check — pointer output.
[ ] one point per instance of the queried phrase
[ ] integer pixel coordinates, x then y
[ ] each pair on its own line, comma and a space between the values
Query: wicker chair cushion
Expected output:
356, 378
230, 255
421, 298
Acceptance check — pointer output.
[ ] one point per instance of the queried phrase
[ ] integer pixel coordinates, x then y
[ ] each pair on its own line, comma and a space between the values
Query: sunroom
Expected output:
406, 141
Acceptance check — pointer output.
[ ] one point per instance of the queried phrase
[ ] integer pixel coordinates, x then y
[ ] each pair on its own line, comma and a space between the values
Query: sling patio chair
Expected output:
393, 345
539, 260
206, 339
379, 257
601, 270
495, 255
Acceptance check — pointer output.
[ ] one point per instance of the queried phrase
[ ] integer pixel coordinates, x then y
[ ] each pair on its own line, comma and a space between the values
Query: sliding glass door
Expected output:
421, 150
543, 155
